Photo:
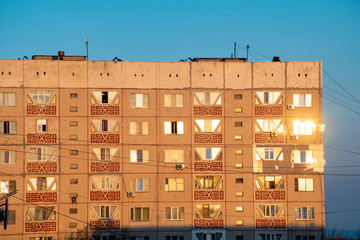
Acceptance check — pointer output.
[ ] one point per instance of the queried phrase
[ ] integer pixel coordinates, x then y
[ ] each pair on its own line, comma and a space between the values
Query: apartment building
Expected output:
211, 149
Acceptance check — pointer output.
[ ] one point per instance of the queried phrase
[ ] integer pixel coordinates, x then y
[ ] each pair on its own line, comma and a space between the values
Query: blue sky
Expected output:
305, 30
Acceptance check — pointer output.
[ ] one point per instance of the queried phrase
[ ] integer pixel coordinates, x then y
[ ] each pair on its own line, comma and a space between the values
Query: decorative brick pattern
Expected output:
270, 223
104, 110
105, 138
207, 110
269, 110
208, 166
41, 138
104, 195
208, 195
105, 167
269, 195
41, 197
105, 225
38, 167
208, 138
265, 138
208, 224
40, 110
40, 226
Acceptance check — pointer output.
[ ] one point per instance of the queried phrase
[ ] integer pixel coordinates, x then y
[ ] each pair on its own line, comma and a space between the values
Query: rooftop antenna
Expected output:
247, 52
87, 48
234, 49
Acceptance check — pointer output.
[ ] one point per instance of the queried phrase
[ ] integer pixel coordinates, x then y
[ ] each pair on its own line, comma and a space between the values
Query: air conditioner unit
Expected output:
180, 166
294, 137
130, 194
73, 199
290, 107
273, 134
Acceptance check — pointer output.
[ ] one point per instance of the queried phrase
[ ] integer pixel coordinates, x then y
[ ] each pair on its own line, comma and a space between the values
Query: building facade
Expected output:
212, 149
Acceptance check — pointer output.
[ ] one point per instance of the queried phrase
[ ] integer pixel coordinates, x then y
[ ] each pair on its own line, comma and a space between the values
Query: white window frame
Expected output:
40, 124
7, 99
304, 184
11, 127
269, 154
5, 186
104, 212
105, 182
303, 156
7, 157
302, 100
139, 100
175, 213
304, 213
174, 156
173, 127
105, 154
173, 100
303, 128
139, 156
179, 184
140, 185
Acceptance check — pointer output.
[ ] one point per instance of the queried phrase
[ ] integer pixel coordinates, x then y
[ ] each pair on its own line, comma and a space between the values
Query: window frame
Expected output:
179, 214
135, 100
143, 218
179, 184
179, 98
41, 125
173, 127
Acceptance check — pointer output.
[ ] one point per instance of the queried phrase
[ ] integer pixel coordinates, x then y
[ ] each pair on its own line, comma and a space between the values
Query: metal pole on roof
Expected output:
87, 48
234, 49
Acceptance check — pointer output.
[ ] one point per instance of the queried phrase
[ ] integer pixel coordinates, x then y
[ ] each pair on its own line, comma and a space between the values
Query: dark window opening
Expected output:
104, 97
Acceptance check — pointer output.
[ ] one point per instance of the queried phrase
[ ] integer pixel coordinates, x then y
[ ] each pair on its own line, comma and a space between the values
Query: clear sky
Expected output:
305, 30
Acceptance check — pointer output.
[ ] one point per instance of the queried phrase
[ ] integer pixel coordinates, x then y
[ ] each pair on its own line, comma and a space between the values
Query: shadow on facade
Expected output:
310, 232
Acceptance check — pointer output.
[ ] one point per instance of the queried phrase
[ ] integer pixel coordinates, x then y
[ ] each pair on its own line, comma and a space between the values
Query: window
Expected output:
140, 185
270, 182
173, 100
239, 180
303, 128
7, 127
7, 157
104, 97
139, 156
42, 97
73, 137
104, 212
73, 95
239, 237
304, 213
41, 125
41, 154
209, 153
174, 127
239, 209
174, 184
40, 238
303, 157
174, 213
105, 154
302, 100
238, 109
270, 210
74, 152
42, 213
41, 184
11, 217
308, 237
72, 224
7, 186
304, 185
139, 214
238, 152
239, 223
74, 181
104, 125
237, 96
73, 210
269, 154
208, 125
269, 125
238, 137
140, 238
73, 123
105, 182
139, 100
207, 98
208, 182
268, 97
174, 156
207, 210
174, 237
73, 109
238, 124
7, 99
139, 128
270, 236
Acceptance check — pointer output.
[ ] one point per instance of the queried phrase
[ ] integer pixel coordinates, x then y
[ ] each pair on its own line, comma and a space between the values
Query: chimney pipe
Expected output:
61, 55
